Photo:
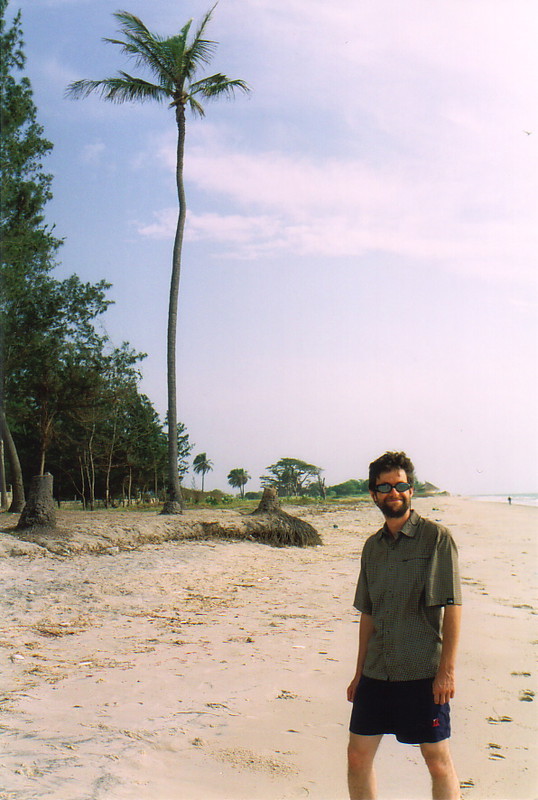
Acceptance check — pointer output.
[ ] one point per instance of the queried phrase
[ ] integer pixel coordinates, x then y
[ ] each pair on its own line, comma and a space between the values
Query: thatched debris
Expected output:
274, 526
109, 532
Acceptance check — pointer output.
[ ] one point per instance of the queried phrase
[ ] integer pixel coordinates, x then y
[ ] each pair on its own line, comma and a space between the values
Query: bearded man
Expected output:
409, 596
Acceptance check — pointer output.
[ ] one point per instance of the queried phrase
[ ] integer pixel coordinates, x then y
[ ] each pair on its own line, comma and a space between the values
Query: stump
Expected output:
39, 511
273, 526
172, 507
269, 503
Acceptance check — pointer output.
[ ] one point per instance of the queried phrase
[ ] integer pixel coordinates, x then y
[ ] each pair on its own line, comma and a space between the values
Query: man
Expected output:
410, 598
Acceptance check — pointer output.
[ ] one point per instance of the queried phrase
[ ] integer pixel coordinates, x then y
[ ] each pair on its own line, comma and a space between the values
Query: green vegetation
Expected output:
174, 64
293, 477
351, 488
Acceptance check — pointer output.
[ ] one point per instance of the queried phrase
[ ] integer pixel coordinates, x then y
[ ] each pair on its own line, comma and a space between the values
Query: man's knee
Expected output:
438, 759
361, 752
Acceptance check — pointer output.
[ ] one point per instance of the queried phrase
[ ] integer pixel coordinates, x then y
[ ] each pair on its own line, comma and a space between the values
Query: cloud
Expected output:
396, 132
91, 153
345, 207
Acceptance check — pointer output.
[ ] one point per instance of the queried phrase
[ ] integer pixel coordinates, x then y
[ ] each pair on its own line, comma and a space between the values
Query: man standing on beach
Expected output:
410, 598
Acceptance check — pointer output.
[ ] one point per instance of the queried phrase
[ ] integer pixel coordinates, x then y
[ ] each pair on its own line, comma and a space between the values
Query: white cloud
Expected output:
457, 213
91, 153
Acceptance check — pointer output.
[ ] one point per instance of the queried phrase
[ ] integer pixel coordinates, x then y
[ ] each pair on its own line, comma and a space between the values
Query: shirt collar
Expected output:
409, 529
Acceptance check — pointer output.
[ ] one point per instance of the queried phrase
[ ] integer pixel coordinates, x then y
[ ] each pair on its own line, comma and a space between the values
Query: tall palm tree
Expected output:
202, 464
174, 64
238, 478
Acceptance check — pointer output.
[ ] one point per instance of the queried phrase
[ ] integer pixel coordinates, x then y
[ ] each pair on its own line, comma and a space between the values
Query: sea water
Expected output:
530, 499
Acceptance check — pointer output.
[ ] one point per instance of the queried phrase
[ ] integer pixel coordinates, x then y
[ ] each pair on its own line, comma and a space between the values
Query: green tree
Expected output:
55, 365
238, 478
27, 244
291, 476
349, 488
202, 464
174, 63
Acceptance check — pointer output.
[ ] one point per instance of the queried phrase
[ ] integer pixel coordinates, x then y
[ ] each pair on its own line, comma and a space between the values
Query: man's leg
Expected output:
360, 759
445, 783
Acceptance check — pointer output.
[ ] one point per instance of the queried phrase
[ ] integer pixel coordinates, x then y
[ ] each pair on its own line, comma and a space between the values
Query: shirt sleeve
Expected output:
443, 585
362, 601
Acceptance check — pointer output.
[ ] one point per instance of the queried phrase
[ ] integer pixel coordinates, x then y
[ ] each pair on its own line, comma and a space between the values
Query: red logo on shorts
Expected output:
435, 723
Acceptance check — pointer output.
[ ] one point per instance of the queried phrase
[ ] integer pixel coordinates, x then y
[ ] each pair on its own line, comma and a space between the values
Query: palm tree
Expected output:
202, 464
237, 478
174, 64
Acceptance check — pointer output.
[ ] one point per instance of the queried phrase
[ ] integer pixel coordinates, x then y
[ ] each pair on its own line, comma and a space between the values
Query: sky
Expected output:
359, 270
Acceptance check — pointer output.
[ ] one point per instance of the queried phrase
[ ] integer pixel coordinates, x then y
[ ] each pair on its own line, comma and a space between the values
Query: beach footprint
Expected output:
494, 751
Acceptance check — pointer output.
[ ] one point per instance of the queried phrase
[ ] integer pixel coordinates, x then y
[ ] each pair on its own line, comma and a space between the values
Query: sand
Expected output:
216, 670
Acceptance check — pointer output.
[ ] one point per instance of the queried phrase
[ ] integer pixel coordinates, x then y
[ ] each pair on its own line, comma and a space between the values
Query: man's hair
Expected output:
386, 463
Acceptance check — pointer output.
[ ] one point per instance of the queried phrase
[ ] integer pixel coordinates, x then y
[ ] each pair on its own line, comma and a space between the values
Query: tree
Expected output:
28, 245
174, 63
238, 478
290, 476
54, 356
202, 464
349, 488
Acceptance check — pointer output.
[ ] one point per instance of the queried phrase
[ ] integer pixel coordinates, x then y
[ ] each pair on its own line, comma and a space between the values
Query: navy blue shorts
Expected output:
404, 708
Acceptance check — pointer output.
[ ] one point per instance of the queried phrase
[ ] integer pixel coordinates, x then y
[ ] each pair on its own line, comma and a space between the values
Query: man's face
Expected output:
393, 504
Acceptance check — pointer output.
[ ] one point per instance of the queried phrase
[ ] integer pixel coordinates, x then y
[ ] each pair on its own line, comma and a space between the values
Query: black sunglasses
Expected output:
385, 488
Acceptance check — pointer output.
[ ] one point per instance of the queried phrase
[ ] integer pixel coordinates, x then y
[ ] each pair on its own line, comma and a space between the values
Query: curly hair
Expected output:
387, 462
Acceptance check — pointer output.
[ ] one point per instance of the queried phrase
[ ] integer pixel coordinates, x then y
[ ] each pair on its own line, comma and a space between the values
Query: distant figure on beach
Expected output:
409, 596
509, 501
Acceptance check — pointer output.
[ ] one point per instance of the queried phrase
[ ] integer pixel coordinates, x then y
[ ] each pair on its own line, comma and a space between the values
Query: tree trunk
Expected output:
39, 510
269, 503
174, 504
17, 483
91, 469
109, 464
3, 485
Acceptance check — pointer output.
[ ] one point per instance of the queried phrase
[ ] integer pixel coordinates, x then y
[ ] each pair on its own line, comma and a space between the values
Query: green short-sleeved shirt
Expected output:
404, 584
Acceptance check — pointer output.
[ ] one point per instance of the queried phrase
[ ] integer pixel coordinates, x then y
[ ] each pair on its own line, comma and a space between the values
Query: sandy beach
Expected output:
216, 670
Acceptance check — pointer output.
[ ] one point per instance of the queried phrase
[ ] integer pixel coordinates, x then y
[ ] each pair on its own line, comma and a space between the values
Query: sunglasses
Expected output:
385, 488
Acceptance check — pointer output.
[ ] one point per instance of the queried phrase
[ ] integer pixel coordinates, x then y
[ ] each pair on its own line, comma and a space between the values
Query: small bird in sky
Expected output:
527, 132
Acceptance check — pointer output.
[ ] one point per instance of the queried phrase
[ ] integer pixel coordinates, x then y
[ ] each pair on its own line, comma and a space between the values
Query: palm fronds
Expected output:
174, 63
124, 88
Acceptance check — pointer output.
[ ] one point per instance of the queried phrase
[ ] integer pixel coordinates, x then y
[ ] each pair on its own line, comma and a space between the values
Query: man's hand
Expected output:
444, 687
352, 688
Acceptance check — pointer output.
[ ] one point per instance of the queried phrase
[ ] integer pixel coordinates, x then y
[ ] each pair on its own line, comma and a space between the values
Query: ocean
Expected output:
517, 499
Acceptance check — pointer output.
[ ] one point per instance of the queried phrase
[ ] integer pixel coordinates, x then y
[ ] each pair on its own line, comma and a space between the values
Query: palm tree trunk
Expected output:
174, 504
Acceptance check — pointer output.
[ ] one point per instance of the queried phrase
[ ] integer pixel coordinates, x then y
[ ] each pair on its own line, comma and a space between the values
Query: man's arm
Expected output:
444, 686
366, 628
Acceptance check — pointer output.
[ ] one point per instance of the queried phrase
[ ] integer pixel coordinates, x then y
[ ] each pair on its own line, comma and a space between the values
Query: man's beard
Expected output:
394, 513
